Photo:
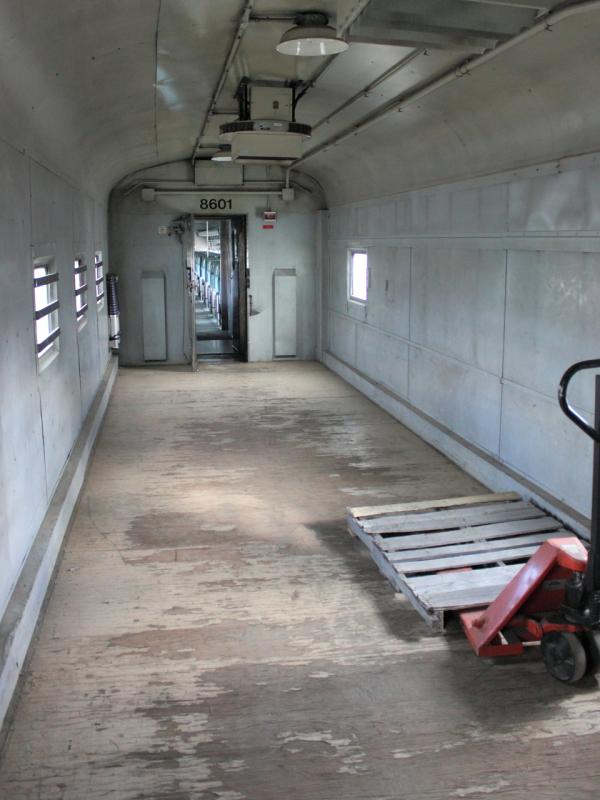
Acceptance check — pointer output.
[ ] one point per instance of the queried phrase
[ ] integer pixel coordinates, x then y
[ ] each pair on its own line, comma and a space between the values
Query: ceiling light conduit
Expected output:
237, 39
366, 90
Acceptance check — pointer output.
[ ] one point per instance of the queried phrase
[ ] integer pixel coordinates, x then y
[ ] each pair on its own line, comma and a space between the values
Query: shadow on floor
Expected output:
522, 680
400, 620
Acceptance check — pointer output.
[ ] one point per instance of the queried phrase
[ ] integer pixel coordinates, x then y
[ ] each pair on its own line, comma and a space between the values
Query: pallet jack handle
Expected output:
593, 363
592, 575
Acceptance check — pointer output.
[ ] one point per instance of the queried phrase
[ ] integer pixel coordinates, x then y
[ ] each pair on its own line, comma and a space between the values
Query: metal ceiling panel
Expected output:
323, 100
348, 73
99, 88
78, 84
535, 103
190, 52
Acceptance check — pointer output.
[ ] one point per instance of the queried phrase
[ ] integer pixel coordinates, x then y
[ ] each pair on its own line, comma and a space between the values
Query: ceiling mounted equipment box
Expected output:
270, 147
265, 130
206, 174
267, 102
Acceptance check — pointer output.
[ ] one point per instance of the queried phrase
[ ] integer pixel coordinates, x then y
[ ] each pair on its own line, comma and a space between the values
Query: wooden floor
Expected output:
215, 634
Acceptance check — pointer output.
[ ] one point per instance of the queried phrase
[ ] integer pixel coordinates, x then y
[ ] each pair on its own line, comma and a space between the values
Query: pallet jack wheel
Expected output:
564, 656
592, 648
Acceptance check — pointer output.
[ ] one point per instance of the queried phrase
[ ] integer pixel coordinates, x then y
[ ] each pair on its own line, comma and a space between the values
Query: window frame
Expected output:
99, 277
80, 288
353, 298
50, 310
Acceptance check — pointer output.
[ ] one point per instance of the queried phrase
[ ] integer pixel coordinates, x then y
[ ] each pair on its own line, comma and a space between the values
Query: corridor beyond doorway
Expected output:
218, 311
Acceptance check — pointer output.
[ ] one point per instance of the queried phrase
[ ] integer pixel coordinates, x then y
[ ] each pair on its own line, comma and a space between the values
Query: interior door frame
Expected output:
239, 222
189, 299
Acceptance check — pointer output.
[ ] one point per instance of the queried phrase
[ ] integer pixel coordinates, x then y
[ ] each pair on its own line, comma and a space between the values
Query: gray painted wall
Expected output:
41, 412
136, 246
493, 289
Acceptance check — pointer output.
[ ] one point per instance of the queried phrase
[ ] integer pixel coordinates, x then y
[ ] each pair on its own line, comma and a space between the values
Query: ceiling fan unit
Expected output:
266, 129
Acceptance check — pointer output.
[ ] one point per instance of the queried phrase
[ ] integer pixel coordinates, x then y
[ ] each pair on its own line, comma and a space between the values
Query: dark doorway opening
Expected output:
220, 288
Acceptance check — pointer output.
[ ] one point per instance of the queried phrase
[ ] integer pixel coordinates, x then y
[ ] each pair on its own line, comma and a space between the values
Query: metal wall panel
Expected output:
387, 219
284, 313
542, 444
384, 358
59, 384
464, 399
457, 303
41, 409
552, 319
568, 201
154, 318
479, 210
338, 278
501, 298
342, 338
388, 302
437, 214
403, 215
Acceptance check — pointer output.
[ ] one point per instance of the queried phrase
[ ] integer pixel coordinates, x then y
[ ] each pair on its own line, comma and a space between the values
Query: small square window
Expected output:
80, 282
358, 276
99, 276
46, 305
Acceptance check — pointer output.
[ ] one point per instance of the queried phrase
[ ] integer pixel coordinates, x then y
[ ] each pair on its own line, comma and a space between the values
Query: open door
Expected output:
240, 268
187, 242
217, 287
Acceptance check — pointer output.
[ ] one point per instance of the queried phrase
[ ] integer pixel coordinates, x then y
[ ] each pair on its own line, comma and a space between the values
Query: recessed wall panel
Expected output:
154, 319
284, 313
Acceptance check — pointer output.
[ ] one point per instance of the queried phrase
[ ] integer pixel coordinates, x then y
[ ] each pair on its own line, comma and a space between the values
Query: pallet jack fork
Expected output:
555, 598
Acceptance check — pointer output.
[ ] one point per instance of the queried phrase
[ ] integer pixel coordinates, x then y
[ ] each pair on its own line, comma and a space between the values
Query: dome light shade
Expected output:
308, 40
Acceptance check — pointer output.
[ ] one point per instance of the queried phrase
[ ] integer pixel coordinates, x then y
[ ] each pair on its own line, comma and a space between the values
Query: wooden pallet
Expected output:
456, 553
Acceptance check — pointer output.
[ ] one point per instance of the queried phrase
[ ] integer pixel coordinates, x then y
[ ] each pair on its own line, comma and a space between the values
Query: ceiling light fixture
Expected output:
311, 36
223, 154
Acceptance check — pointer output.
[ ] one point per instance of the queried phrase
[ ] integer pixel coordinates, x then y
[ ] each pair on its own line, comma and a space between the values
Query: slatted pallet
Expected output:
452, 554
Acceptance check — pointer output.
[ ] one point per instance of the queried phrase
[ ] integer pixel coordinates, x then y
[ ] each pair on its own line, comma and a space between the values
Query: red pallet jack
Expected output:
555, 598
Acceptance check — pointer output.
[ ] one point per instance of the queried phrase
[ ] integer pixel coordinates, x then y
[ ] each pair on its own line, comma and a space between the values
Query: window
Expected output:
358, 276
99, 273
45, 301
80, 281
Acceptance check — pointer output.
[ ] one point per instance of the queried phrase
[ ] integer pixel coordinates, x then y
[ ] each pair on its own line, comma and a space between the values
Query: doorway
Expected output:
219, 288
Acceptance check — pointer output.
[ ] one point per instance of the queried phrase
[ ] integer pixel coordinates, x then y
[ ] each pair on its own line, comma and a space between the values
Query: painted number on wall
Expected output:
212, 204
